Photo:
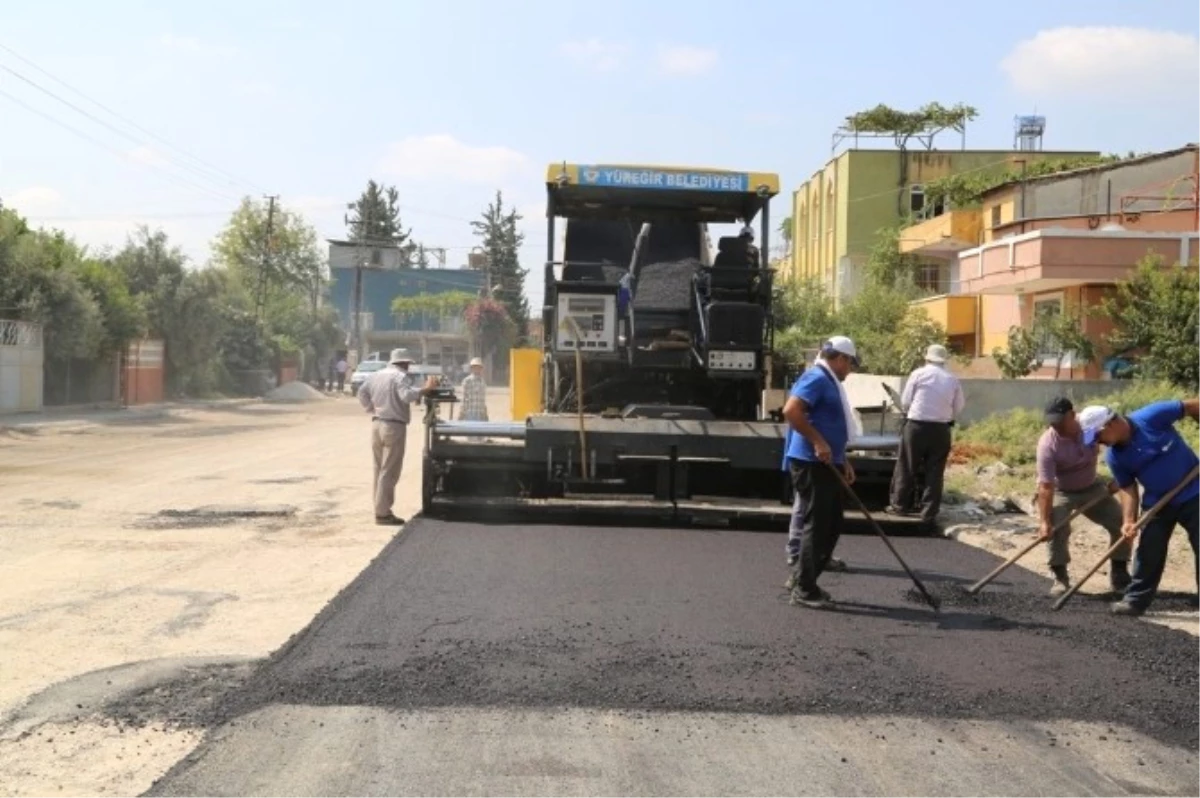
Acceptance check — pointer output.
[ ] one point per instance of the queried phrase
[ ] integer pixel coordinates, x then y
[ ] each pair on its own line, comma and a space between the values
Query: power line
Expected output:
198, 161
105, 146
95, 119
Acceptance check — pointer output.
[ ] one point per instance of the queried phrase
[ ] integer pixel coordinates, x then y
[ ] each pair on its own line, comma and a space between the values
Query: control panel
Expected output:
721, 360
595, 316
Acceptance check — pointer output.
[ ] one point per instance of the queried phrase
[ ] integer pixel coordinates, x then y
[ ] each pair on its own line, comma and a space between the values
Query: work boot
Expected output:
1062, 581
1126, 609
1118, 576
817, 600
836, 565
389, 520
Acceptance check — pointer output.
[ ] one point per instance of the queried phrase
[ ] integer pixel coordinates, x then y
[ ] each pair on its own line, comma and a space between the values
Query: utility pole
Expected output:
362, 235
265, 267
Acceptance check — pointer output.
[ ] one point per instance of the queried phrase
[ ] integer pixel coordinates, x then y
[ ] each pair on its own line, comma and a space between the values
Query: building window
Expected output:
929, 278
1046, 308
995, 216
916, 198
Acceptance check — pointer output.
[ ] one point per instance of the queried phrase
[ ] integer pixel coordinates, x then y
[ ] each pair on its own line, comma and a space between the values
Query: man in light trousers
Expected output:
386, 395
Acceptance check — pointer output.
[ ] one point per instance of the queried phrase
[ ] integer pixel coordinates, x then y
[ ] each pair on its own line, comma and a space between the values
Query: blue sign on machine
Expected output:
617, 177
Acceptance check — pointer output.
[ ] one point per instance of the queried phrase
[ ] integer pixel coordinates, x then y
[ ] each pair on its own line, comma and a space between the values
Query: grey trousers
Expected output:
1106, 514
796, 527
387, 446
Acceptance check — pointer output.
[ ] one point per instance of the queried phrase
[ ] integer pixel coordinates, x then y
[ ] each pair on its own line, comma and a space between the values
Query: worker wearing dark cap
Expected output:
1067, 480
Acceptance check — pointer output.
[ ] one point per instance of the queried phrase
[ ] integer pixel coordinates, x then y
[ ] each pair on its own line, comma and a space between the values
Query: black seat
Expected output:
731, 253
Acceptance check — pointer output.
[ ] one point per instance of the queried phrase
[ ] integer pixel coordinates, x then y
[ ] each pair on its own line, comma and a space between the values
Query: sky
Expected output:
175, 111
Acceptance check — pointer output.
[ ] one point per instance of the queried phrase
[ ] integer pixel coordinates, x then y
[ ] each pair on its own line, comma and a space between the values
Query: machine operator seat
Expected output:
732, 253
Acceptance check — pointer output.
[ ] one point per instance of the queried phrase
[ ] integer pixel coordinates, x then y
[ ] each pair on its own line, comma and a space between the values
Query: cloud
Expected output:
193, 46
595, 54
1111, 62
684, 60
443, 157
33, 199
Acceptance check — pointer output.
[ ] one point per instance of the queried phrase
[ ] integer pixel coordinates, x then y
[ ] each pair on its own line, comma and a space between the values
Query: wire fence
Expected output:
20, 333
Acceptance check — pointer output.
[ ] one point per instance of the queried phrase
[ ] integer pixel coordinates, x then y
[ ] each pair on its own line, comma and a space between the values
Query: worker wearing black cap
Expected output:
1067, 480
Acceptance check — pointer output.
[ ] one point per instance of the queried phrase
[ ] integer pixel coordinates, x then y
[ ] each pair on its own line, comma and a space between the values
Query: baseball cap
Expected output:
843, 346
1093, 419
1057, 409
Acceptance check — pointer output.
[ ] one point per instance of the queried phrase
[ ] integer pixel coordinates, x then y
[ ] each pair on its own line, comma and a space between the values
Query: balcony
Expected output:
955, 313
943, 236
1047, 260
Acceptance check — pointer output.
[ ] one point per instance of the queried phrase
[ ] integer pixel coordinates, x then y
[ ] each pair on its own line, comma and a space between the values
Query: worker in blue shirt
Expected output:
1145, 449
819, 421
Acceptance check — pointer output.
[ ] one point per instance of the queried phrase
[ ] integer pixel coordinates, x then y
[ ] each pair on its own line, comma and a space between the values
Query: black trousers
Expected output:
925, 448
823, 500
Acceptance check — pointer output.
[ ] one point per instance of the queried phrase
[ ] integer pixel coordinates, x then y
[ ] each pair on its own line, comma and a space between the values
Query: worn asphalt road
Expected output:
479, 659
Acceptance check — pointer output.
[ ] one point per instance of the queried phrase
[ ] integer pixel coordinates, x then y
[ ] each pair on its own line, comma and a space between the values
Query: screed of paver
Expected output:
290, 750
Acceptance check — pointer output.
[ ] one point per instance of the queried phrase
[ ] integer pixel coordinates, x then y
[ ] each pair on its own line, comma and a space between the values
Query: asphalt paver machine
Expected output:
653, 369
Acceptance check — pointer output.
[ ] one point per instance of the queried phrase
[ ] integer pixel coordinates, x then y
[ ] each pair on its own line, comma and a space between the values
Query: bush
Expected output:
1012, 437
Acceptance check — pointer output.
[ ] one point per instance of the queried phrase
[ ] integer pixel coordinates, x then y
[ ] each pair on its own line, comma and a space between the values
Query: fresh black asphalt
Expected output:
461, 614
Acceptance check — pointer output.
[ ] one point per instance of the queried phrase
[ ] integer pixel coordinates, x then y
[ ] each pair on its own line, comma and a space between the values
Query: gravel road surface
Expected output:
475, 658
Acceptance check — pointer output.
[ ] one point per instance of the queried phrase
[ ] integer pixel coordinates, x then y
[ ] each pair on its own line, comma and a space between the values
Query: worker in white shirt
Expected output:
932, 399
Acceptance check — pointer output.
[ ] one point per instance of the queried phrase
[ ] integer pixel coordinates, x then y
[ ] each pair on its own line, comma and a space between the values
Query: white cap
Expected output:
842, 345
1092, 419
400, 356
747, 232
476, 361
936, 353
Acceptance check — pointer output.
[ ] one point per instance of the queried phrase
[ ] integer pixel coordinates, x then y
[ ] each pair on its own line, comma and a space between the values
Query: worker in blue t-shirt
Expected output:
819, 421
1145, 449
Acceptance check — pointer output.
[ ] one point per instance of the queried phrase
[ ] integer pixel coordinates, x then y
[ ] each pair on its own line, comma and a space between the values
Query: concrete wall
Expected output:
21, 365
1088, 192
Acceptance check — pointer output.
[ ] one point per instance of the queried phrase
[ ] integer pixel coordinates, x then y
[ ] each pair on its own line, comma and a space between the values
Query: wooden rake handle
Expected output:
1011, 561
1141, 524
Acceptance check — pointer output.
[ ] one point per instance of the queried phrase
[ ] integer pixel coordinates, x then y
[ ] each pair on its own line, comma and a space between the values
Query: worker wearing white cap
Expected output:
386, 395
932, 399
820, 425
1147, 456
474, 394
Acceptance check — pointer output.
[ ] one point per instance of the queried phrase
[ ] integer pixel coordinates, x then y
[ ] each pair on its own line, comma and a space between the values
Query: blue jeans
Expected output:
1151, 555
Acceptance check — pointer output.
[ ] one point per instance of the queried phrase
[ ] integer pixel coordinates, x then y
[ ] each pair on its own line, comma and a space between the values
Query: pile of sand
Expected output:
294, 392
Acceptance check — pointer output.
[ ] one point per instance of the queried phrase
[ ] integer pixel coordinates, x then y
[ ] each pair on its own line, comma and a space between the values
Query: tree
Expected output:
1022, 356
785, 233
501, 241
491, 325
1156, 312
375, 217
923, 123
890, 333
1063, 333
284, 274
887, 265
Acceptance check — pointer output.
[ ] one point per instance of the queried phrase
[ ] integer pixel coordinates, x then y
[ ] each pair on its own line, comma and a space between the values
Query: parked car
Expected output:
369, 367
364, 370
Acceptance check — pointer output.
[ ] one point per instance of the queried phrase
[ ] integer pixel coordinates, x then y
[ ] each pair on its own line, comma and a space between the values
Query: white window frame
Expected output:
1059, 298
